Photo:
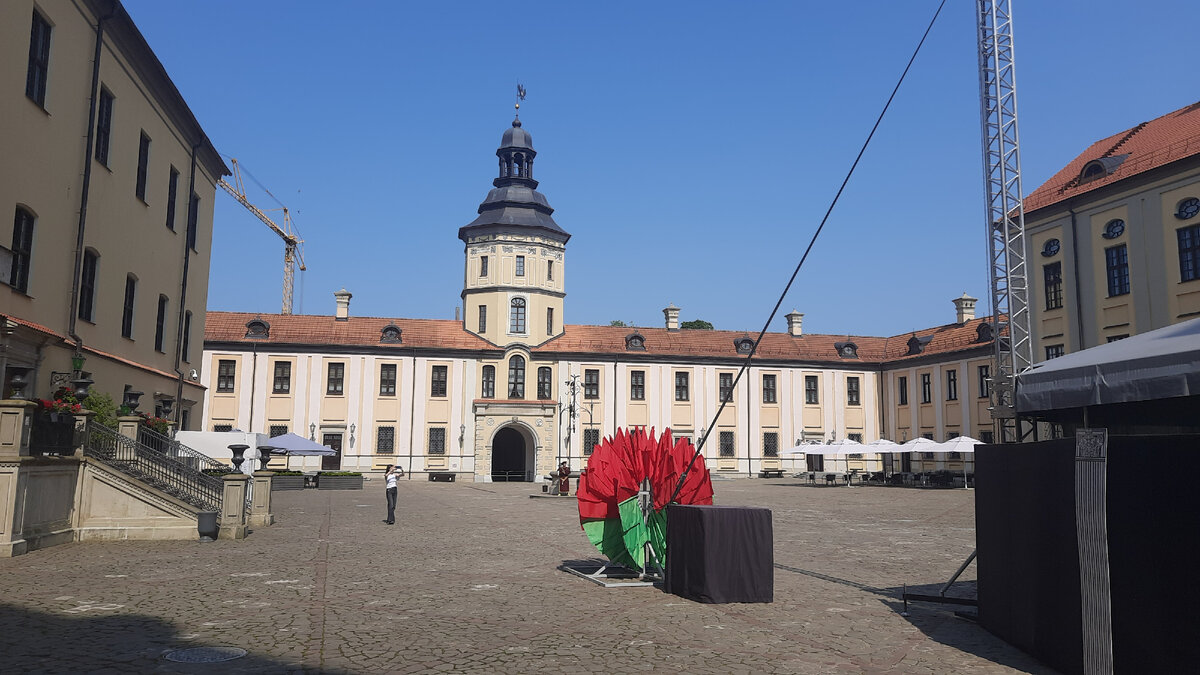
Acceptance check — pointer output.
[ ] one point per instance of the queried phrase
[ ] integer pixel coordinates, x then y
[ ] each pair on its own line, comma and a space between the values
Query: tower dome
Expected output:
514, 203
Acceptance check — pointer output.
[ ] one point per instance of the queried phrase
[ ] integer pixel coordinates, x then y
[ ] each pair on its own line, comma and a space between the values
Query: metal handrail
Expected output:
176, 450
173, 476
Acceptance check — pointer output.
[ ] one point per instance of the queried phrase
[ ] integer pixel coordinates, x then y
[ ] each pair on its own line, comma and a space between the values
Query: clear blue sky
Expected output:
689, 148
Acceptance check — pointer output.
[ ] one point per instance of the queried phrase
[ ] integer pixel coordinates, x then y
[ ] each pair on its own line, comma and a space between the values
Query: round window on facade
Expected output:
1114, 229
1187, 208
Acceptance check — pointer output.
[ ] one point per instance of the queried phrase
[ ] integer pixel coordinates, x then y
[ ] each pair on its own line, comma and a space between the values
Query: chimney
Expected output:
964, 308
342, 298
795, 320
672, 314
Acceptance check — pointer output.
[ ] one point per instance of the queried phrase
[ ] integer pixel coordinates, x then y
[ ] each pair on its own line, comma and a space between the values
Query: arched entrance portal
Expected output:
511, 456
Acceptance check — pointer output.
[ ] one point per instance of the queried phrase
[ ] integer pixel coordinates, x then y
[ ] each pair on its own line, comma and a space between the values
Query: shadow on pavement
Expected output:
80, 641
933, 619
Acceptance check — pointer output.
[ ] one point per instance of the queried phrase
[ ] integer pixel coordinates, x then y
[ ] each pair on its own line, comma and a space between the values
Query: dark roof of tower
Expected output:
514, 202
516, 137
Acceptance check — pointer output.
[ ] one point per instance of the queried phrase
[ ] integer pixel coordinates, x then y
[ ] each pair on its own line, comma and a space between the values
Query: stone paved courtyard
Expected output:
467, 582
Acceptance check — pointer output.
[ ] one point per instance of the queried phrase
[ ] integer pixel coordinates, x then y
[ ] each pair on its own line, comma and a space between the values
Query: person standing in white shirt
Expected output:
390, 474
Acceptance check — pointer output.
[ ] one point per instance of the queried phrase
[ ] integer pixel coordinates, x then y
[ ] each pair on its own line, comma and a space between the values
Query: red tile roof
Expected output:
1147, 146
102, 354
324, 330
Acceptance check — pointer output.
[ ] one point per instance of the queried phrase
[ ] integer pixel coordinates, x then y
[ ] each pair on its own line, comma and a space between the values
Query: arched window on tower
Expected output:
516, 377
516, 316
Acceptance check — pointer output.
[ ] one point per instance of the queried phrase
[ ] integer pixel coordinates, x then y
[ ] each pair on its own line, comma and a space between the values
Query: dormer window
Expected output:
846, 350
744, 345
984, 332
257, 329
1099, 168
1092, 171
634, 342
916, 345
390, 334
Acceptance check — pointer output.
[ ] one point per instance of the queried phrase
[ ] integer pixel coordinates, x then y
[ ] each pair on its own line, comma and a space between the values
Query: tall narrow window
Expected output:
985, 381
681, 386
769, 395
516, 377
591, 438
637, 385
1052, 276
549, 270
591, 383
282, 380
489, 382
143, 164
160, 324
520, 266
516, 316
902, 386
437, 381
810, 390
1189, 252
725, 385
951, 385
544, 381
87, 285
103, 126
437, 440
483, 318
39, 60
483, 265
187, 337
852, 392
549, 321
336, 379
127, 311
193, 219
226, 370
1054, 351
771, 444
387, 379
385, 440
172, 194
22, 250
726, 444
1117, 261
926, 388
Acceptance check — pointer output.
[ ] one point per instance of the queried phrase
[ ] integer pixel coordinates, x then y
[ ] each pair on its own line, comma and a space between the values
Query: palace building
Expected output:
510, 390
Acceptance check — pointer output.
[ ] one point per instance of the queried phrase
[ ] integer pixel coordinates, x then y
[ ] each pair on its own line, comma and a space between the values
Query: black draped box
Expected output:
720, 553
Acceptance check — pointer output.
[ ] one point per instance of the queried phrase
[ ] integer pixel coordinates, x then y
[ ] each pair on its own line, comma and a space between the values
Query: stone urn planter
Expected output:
339, 481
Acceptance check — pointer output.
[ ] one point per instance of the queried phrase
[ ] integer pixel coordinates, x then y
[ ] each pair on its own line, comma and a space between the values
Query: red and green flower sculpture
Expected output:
608, 489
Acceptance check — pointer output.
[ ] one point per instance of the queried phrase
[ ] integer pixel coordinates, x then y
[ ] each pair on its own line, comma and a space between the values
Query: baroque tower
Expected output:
514, 278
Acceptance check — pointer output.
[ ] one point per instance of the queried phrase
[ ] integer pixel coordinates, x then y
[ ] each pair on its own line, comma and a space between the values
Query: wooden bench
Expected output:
770, 473
445, 476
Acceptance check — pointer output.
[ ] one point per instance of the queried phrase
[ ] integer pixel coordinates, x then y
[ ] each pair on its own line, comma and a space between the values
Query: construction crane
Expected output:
293, 246
1005, 214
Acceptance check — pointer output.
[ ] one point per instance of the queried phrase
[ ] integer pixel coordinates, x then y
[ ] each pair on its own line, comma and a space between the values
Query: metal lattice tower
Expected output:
1005, 214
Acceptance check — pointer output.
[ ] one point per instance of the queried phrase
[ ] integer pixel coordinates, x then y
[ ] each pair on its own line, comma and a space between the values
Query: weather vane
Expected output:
520, 97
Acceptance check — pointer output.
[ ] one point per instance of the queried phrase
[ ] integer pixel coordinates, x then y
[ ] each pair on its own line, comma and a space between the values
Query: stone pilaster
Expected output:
127, 426
16, 419
81, 422
233, 506
260, 506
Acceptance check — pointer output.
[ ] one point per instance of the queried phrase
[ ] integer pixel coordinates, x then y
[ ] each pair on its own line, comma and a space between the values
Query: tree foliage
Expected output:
617, 322
105, 408
696, 324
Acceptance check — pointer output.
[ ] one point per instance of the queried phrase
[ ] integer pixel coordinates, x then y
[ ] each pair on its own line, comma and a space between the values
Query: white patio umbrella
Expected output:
883, 446
963, 445
839, 449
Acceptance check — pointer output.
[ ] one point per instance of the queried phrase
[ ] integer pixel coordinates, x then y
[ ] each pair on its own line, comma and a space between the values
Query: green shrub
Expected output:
286, 472
105, 408
225, 471
339, 473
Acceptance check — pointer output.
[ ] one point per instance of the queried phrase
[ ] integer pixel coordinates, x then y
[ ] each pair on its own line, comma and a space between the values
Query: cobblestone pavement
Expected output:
466, 581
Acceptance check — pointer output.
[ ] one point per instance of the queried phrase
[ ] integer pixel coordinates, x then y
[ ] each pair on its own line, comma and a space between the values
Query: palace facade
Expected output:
510, 390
